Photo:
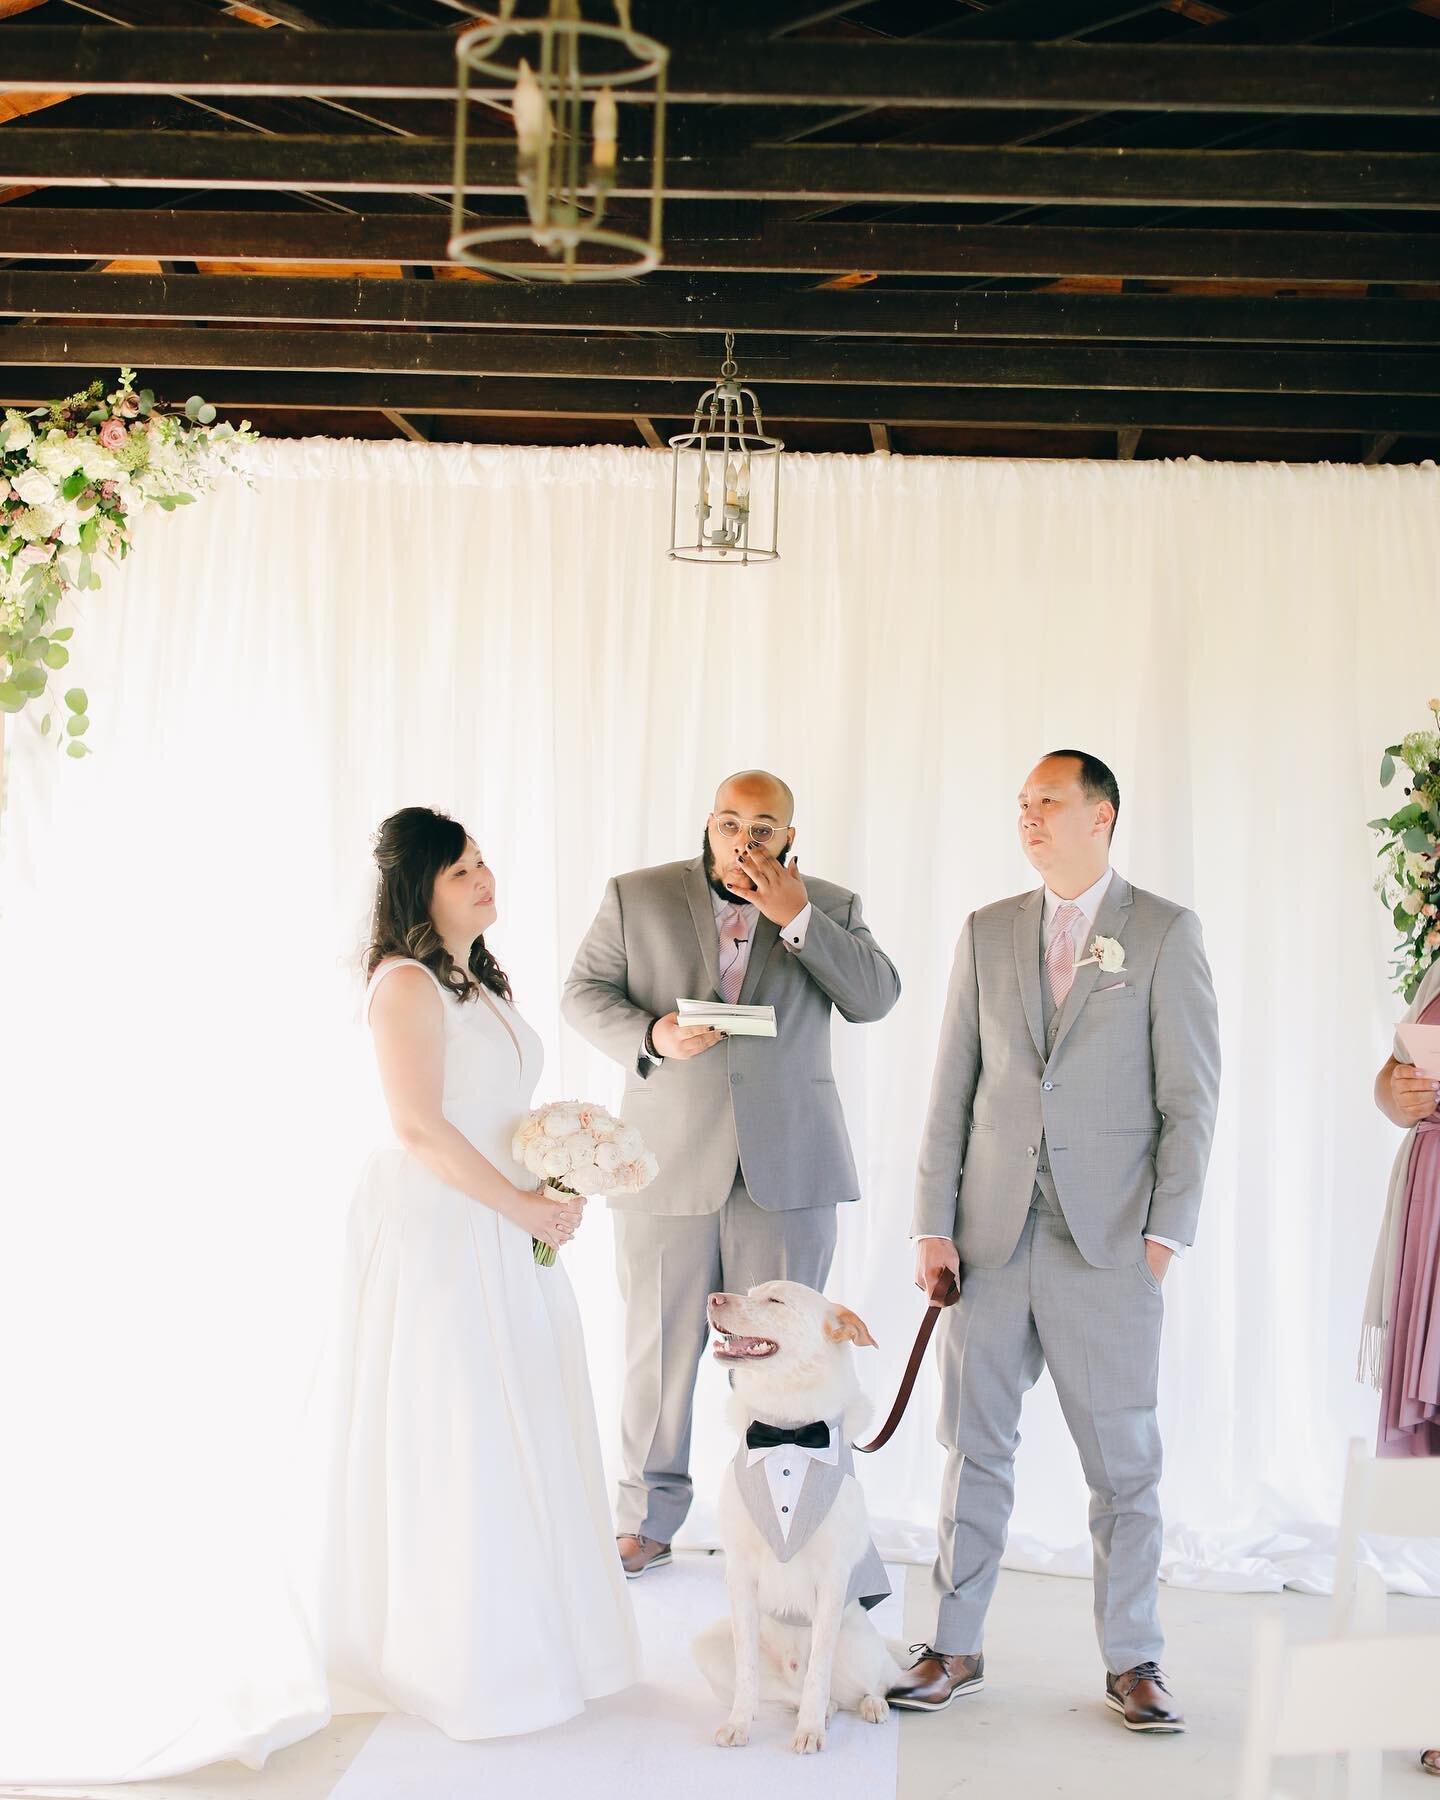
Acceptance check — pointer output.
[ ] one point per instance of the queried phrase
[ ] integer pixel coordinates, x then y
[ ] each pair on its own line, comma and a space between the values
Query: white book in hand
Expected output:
736, 1021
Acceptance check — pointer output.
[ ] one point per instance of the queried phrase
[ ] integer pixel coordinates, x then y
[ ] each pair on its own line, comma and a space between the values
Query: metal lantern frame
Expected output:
565, 190
725, 438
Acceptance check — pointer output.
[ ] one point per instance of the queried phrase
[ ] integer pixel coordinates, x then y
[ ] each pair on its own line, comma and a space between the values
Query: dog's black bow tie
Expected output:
809, 1437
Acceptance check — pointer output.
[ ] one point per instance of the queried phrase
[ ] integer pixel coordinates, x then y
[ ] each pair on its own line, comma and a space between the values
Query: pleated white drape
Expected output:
186, 1088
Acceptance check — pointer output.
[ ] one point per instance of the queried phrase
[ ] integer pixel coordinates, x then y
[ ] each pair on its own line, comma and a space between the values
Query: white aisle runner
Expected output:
655, 1741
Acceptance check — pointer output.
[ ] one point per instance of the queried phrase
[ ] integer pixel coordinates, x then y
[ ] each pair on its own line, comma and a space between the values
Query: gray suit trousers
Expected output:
669, 1266
1098, 1330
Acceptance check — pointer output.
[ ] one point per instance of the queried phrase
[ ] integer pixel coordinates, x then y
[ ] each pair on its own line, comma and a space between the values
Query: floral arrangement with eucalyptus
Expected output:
1409, 879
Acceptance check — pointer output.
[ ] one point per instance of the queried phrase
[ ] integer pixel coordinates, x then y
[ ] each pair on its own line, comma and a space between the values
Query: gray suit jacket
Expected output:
1122, 1108
771, 1103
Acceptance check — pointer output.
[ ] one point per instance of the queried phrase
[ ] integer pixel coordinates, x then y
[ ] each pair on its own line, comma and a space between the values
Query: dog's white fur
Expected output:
791, 1637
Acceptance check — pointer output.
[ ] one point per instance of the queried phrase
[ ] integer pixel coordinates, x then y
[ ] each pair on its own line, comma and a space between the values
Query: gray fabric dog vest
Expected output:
868, 1583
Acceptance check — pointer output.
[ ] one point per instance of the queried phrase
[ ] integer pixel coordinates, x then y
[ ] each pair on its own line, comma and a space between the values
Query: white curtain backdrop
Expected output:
187, 1091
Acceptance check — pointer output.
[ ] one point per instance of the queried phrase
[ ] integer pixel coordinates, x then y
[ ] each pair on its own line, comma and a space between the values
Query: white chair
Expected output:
1389, 1497
1340, 1696
1393, 1497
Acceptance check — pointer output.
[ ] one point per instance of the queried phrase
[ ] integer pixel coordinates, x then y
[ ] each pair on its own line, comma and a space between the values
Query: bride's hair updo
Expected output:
412, 847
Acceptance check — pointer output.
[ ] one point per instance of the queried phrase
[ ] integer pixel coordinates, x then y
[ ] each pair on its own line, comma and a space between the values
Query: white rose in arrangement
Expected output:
607, 1157
59, 455
606, 1126
535, 1157
33, 555
629, 1143
35, 487
562, 1121
555, 1163
16, 433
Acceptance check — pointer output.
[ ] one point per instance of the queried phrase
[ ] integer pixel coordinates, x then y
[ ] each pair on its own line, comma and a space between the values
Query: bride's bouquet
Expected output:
578, 1148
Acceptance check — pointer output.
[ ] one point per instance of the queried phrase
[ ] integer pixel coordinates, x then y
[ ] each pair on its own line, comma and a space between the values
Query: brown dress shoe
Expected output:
1430, 1761
637, 1554
934, 1680
1142, 1699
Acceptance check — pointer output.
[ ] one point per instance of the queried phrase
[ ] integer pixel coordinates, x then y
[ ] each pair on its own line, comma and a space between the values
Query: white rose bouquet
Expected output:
579, 1148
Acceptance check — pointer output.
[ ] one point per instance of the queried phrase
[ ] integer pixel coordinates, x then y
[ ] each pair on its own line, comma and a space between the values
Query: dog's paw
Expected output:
808, 1739
733, 1734
874, 1709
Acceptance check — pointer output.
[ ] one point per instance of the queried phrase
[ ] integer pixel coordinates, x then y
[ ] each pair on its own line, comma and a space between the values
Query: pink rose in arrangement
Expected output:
34, 553
112, 434
127, 406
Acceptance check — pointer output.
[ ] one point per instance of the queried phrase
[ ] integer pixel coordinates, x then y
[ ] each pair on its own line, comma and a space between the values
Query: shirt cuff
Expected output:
1153, 1237
793, 934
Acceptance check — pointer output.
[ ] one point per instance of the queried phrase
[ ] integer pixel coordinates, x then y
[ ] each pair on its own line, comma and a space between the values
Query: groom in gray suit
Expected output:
1062, 1167
750, 1139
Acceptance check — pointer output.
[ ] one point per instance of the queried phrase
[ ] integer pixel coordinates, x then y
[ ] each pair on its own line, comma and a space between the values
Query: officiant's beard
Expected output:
717, 886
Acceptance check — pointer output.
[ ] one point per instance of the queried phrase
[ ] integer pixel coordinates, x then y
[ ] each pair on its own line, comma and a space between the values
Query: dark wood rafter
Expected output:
577, 356
54, 157
1198, 254
420, 65
1060, 409
754, 305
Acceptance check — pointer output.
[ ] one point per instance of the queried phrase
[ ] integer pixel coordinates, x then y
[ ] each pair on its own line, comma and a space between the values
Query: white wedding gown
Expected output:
474, 1579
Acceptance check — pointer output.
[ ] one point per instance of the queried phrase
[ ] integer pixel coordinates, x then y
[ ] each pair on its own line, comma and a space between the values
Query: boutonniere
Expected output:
1108, 952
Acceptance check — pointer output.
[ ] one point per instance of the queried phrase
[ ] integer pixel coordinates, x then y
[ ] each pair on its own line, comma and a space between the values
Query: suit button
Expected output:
735, 1080
784, 1509
1047, 1085
1029, 1149
784, 1471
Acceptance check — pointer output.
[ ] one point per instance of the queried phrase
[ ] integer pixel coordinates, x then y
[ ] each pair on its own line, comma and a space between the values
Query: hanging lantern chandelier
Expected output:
725, 475
563, 80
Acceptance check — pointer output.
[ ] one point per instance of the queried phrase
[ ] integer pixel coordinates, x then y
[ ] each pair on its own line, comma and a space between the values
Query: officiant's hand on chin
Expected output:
773, 887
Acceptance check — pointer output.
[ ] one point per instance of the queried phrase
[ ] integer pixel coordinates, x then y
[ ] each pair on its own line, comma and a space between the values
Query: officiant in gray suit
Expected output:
1061, 1169
748, 1131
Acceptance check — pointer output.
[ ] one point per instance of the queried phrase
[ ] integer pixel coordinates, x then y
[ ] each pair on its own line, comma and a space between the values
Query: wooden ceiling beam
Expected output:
845, 174
1158, 254
576, 356
1055, 408
757, 305
730, 69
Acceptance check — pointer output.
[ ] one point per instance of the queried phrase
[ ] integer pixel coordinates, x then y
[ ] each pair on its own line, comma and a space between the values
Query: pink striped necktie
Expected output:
1060, 953
732, 967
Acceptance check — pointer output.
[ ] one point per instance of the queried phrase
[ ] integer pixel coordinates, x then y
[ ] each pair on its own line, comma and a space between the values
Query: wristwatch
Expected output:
649, 1045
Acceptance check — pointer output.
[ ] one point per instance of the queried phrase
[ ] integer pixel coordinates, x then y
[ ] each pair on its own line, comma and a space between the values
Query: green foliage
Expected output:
1409, 856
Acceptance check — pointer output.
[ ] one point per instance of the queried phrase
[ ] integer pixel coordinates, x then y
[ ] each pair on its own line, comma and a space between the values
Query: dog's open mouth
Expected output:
732, 1347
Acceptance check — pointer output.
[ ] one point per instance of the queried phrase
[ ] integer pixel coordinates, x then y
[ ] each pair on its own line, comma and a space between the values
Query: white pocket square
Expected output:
1113, 988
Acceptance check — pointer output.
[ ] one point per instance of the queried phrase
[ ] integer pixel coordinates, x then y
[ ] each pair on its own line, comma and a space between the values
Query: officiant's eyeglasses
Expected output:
756, 830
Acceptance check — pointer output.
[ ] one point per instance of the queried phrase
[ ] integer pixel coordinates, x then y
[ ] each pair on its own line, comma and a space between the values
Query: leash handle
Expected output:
946, 1294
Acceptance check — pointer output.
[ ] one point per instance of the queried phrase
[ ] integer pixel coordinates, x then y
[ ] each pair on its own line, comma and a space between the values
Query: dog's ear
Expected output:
845, 1324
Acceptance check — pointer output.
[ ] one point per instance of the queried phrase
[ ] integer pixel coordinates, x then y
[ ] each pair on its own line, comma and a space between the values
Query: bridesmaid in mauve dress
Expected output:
1401, 1352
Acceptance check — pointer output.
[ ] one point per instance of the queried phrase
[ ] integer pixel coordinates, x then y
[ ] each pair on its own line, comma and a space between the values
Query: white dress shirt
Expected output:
785, 1469
1080, 929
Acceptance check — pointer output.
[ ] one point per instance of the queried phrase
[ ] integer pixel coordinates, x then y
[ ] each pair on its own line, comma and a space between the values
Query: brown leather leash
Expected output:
947, 1295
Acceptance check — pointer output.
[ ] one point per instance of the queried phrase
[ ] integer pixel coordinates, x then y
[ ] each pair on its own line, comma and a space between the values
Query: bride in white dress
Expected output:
474, 1580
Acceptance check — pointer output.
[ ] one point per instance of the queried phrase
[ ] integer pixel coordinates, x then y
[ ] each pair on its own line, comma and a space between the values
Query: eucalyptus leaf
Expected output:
45, 725
206, 415
193, 405
56, 656
76, 700
29, 677
1387, 769
76, 749
74, 485
78, 725
12, 699
1417, 840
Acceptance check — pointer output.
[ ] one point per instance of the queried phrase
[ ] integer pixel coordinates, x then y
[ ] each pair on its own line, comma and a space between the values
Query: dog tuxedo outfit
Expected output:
789, 1481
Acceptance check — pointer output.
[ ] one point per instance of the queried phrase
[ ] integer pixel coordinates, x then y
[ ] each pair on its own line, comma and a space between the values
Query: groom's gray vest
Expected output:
869, 1583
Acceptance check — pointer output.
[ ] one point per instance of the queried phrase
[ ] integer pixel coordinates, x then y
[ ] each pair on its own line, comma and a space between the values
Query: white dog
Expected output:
799, 1563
